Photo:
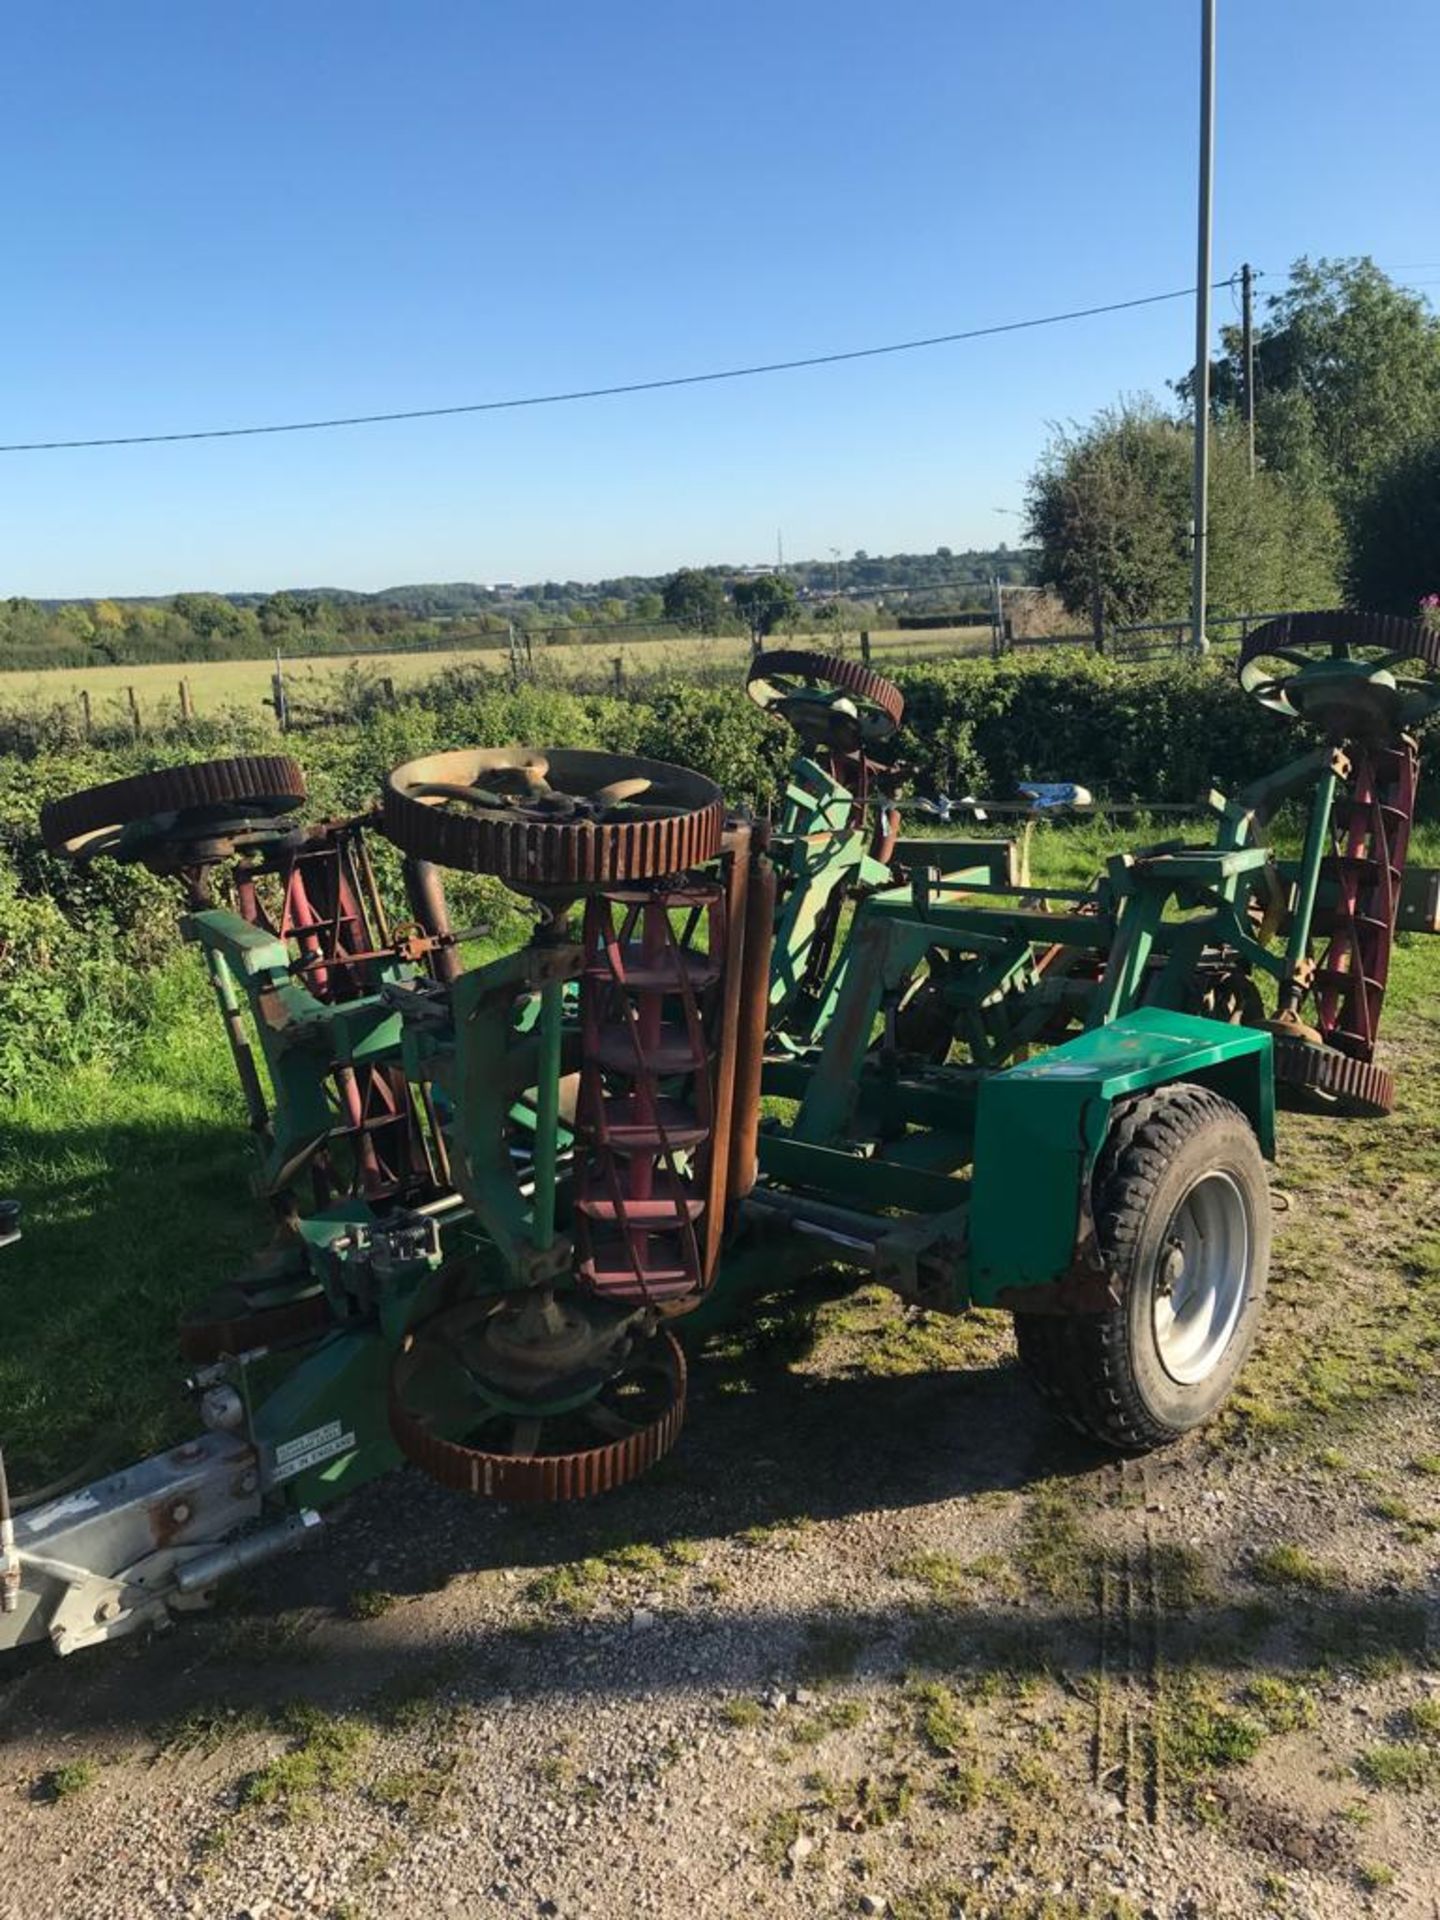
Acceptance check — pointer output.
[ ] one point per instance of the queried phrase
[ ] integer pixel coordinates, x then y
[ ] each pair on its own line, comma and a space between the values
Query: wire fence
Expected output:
318, 690
1151, 641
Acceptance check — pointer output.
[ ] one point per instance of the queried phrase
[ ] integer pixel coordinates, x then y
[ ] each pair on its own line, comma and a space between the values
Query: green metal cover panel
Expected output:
1040, 1127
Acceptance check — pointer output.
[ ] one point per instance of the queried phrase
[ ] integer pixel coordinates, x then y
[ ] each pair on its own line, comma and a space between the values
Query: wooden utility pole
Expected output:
1247, 355
85, 712
187, 707
134, 711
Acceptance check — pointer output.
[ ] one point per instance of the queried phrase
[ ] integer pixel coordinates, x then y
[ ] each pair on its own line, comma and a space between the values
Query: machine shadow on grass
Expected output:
124, 1223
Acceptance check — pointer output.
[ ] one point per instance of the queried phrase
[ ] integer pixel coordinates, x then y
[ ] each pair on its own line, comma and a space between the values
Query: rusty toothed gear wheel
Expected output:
1342, 669
785, 674
567, 1473
554, 819
255, 791
1338, 1080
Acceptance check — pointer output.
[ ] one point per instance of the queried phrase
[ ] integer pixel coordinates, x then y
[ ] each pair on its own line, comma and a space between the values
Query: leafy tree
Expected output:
1110, 505
1347, 375
278, 616
763, 602
695, 599
1274, 543
1394, 559
75, 623
208, 615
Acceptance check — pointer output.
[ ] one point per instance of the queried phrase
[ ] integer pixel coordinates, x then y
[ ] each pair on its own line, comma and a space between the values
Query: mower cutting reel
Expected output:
633, 998
1363, 681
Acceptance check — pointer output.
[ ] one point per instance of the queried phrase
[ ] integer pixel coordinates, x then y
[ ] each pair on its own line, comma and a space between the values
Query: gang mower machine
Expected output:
504, 1187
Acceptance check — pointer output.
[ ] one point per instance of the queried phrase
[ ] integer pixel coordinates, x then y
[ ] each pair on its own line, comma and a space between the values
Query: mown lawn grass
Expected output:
135, 1187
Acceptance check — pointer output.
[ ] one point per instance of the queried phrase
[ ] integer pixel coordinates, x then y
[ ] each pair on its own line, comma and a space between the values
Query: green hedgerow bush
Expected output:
77, 946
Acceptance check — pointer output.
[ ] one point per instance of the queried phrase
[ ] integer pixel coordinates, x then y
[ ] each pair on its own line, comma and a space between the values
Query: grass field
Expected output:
217, 684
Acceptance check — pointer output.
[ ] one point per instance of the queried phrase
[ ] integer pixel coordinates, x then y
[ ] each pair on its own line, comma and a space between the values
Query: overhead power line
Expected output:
601, 393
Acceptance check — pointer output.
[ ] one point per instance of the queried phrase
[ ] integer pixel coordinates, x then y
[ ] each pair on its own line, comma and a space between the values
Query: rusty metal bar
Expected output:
737, 885
425, 891
754, 1012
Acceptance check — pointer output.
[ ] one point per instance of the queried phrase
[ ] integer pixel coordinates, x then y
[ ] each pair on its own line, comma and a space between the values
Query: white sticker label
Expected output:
309, 1449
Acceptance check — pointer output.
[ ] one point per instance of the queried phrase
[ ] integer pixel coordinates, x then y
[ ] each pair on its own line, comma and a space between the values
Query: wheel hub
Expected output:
1200, 1279
539, 1341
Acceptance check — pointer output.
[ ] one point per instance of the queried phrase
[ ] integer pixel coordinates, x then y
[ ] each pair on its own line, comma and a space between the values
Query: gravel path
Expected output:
879, 1639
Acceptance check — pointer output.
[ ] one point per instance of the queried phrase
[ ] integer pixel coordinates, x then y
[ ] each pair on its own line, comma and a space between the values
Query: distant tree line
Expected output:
324, 620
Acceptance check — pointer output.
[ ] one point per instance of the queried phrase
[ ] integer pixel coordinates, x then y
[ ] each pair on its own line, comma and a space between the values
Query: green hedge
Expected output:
76, 948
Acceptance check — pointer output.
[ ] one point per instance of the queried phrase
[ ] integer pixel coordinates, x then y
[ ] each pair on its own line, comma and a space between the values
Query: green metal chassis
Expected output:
872, 1129
959, 1185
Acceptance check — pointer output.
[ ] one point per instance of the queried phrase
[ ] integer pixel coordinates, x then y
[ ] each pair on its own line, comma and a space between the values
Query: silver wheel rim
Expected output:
1201, 1279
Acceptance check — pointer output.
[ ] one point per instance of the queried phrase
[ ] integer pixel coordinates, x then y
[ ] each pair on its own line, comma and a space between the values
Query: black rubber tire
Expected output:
1102, 1372
268, 784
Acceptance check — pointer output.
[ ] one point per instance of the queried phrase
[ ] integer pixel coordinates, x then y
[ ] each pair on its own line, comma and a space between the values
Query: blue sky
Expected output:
224, 215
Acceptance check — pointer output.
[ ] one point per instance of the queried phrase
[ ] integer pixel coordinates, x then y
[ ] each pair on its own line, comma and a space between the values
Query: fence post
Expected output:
618, 663
187, 709
277, 695
997, 617
85, 712
387, 687
865, 645
1097, 617
135, 721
